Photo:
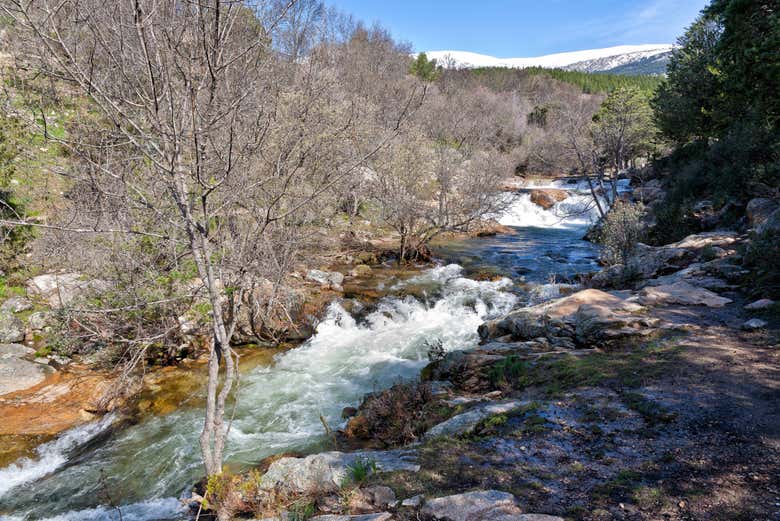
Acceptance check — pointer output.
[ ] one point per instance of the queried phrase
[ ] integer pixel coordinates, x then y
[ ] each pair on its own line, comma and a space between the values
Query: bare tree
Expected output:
200, 142
423, 189
299, 23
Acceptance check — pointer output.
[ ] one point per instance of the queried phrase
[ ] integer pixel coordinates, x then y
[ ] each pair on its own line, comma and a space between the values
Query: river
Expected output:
146, 467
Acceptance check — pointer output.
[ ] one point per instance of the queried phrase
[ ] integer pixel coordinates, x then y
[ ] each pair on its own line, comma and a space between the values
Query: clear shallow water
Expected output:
145, 467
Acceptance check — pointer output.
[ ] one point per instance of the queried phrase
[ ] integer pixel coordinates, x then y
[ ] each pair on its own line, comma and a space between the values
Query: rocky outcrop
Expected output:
651, 262
16, 371
11, 328
327, 471
547, 197
589, 317
682, 293
481, 505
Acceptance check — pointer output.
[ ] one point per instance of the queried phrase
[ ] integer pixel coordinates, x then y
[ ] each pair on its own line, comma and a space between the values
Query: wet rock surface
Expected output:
17, 371
547, 197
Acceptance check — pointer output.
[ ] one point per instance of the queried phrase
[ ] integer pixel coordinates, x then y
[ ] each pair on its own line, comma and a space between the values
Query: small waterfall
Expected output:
578, 210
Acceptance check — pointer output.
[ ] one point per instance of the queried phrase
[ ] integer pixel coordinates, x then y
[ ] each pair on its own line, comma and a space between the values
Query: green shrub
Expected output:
761, 260
620, 232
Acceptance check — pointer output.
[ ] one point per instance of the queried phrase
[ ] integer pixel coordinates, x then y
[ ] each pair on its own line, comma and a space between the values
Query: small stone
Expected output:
11, 328
754, 324
681, 504
38, 320
760, 304
361, 270
16, 304
412, 502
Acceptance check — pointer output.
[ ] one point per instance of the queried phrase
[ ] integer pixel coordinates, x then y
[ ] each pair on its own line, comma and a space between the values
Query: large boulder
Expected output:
587, 317
61, 289
269, 312
548, 197
759, 209
327, 471
18, 373
681, 293
11, 328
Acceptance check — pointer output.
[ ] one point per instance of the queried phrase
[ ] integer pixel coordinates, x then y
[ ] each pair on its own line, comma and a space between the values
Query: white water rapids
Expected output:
149, 464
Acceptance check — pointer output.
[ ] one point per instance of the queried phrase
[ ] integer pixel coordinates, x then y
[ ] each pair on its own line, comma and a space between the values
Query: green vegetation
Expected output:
359, 471
622, 369
620, 233
761, 259
719, 107
595, 83
425, 69
504, 78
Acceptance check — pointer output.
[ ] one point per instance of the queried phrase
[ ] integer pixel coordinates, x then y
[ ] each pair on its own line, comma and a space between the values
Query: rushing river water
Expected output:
146, 467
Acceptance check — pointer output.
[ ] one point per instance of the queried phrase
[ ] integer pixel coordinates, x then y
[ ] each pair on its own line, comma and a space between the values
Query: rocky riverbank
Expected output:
658, 401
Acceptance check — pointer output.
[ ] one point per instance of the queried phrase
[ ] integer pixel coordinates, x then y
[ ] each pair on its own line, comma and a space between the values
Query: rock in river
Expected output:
547, 197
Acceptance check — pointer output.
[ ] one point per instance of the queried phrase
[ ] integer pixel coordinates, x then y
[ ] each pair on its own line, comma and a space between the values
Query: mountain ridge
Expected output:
621, 59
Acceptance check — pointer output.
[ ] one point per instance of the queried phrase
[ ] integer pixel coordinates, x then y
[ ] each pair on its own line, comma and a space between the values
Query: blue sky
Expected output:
519, 28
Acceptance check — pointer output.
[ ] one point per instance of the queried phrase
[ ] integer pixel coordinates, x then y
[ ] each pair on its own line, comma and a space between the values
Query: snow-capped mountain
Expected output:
617, 59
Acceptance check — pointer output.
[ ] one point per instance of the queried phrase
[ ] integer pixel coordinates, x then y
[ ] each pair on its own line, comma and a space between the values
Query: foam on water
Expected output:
51, 456
167, 508
578, 210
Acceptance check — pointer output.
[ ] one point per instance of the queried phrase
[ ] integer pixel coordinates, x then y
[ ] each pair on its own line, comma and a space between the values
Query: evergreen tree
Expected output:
424, 68
685, 102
